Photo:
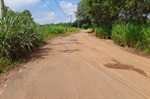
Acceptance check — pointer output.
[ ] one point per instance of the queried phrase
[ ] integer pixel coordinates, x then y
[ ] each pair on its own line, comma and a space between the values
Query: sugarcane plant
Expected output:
18, 34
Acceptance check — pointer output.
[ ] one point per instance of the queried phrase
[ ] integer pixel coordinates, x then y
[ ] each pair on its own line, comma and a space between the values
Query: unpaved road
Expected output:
81, 66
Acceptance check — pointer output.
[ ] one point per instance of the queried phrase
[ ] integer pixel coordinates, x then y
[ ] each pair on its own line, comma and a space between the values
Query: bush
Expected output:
18, 35
102, 32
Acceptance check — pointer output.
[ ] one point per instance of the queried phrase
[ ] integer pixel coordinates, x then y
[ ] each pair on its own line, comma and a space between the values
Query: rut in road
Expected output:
80, 66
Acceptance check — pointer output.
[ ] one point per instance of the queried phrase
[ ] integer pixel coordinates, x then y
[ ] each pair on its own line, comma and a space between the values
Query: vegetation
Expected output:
137, 36
83, 20
102, 32
20, 34
50, 31
108, 12
125, 21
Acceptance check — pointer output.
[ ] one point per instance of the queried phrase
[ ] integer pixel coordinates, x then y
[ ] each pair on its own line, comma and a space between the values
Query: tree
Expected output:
107, 12
135, 11
82, 16
103, 12
28, 14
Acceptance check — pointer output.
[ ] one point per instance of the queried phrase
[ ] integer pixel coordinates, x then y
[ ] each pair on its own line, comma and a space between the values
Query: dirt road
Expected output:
81, 66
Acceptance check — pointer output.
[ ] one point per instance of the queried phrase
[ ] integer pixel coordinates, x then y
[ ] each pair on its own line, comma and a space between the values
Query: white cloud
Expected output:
68, 7
16, 4
50, 17
47, 17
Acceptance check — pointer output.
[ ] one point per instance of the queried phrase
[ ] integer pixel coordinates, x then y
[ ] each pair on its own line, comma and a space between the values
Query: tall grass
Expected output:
18, 35
102, 32
54, 29
144, 44
137, 36
50, 31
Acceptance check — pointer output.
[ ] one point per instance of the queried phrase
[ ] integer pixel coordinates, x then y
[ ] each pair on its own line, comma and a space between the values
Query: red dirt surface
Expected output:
80, 66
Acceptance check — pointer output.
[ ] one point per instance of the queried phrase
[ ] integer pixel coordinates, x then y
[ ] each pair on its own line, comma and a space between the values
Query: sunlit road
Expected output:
81, 66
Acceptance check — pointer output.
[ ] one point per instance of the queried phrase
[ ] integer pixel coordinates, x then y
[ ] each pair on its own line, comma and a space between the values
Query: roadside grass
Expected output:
18, 35
102, 32
91, 29
135, 36
131, 35
49, 31
7, 64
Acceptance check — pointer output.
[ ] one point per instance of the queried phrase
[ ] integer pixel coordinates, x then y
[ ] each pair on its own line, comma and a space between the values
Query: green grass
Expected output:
7, 64
18, 35
51, 31
136, 36
102, 32
144, 43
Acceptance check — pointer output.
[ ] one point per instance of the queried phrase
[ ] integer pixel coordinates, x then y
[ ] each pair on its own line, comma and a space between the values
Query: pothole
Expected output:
118, 65
73, 40
70, 51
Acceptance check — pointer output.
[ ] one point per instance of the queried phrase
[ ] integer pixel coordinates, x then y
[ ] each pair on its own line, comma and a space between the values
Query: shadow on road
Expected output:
40, 53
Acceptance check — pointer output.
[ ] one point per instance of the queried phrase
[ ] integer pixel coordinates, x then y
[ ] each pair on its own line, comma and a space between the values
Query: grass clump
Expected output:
144, 43
102, 32
136, 36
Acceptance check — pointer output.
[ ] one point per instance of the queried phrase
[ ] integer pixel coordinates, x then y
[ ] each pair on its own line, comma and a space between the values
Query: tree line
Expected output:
108, 12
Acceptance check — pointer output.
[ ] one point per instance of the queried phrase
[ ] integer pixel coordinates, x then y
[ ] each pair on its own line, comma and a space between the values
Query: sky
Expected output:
46, 11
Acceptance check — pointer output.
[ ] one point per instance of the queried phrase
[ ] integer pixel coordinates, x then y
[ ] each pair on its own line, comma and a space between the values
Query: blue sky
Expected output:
41, 13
